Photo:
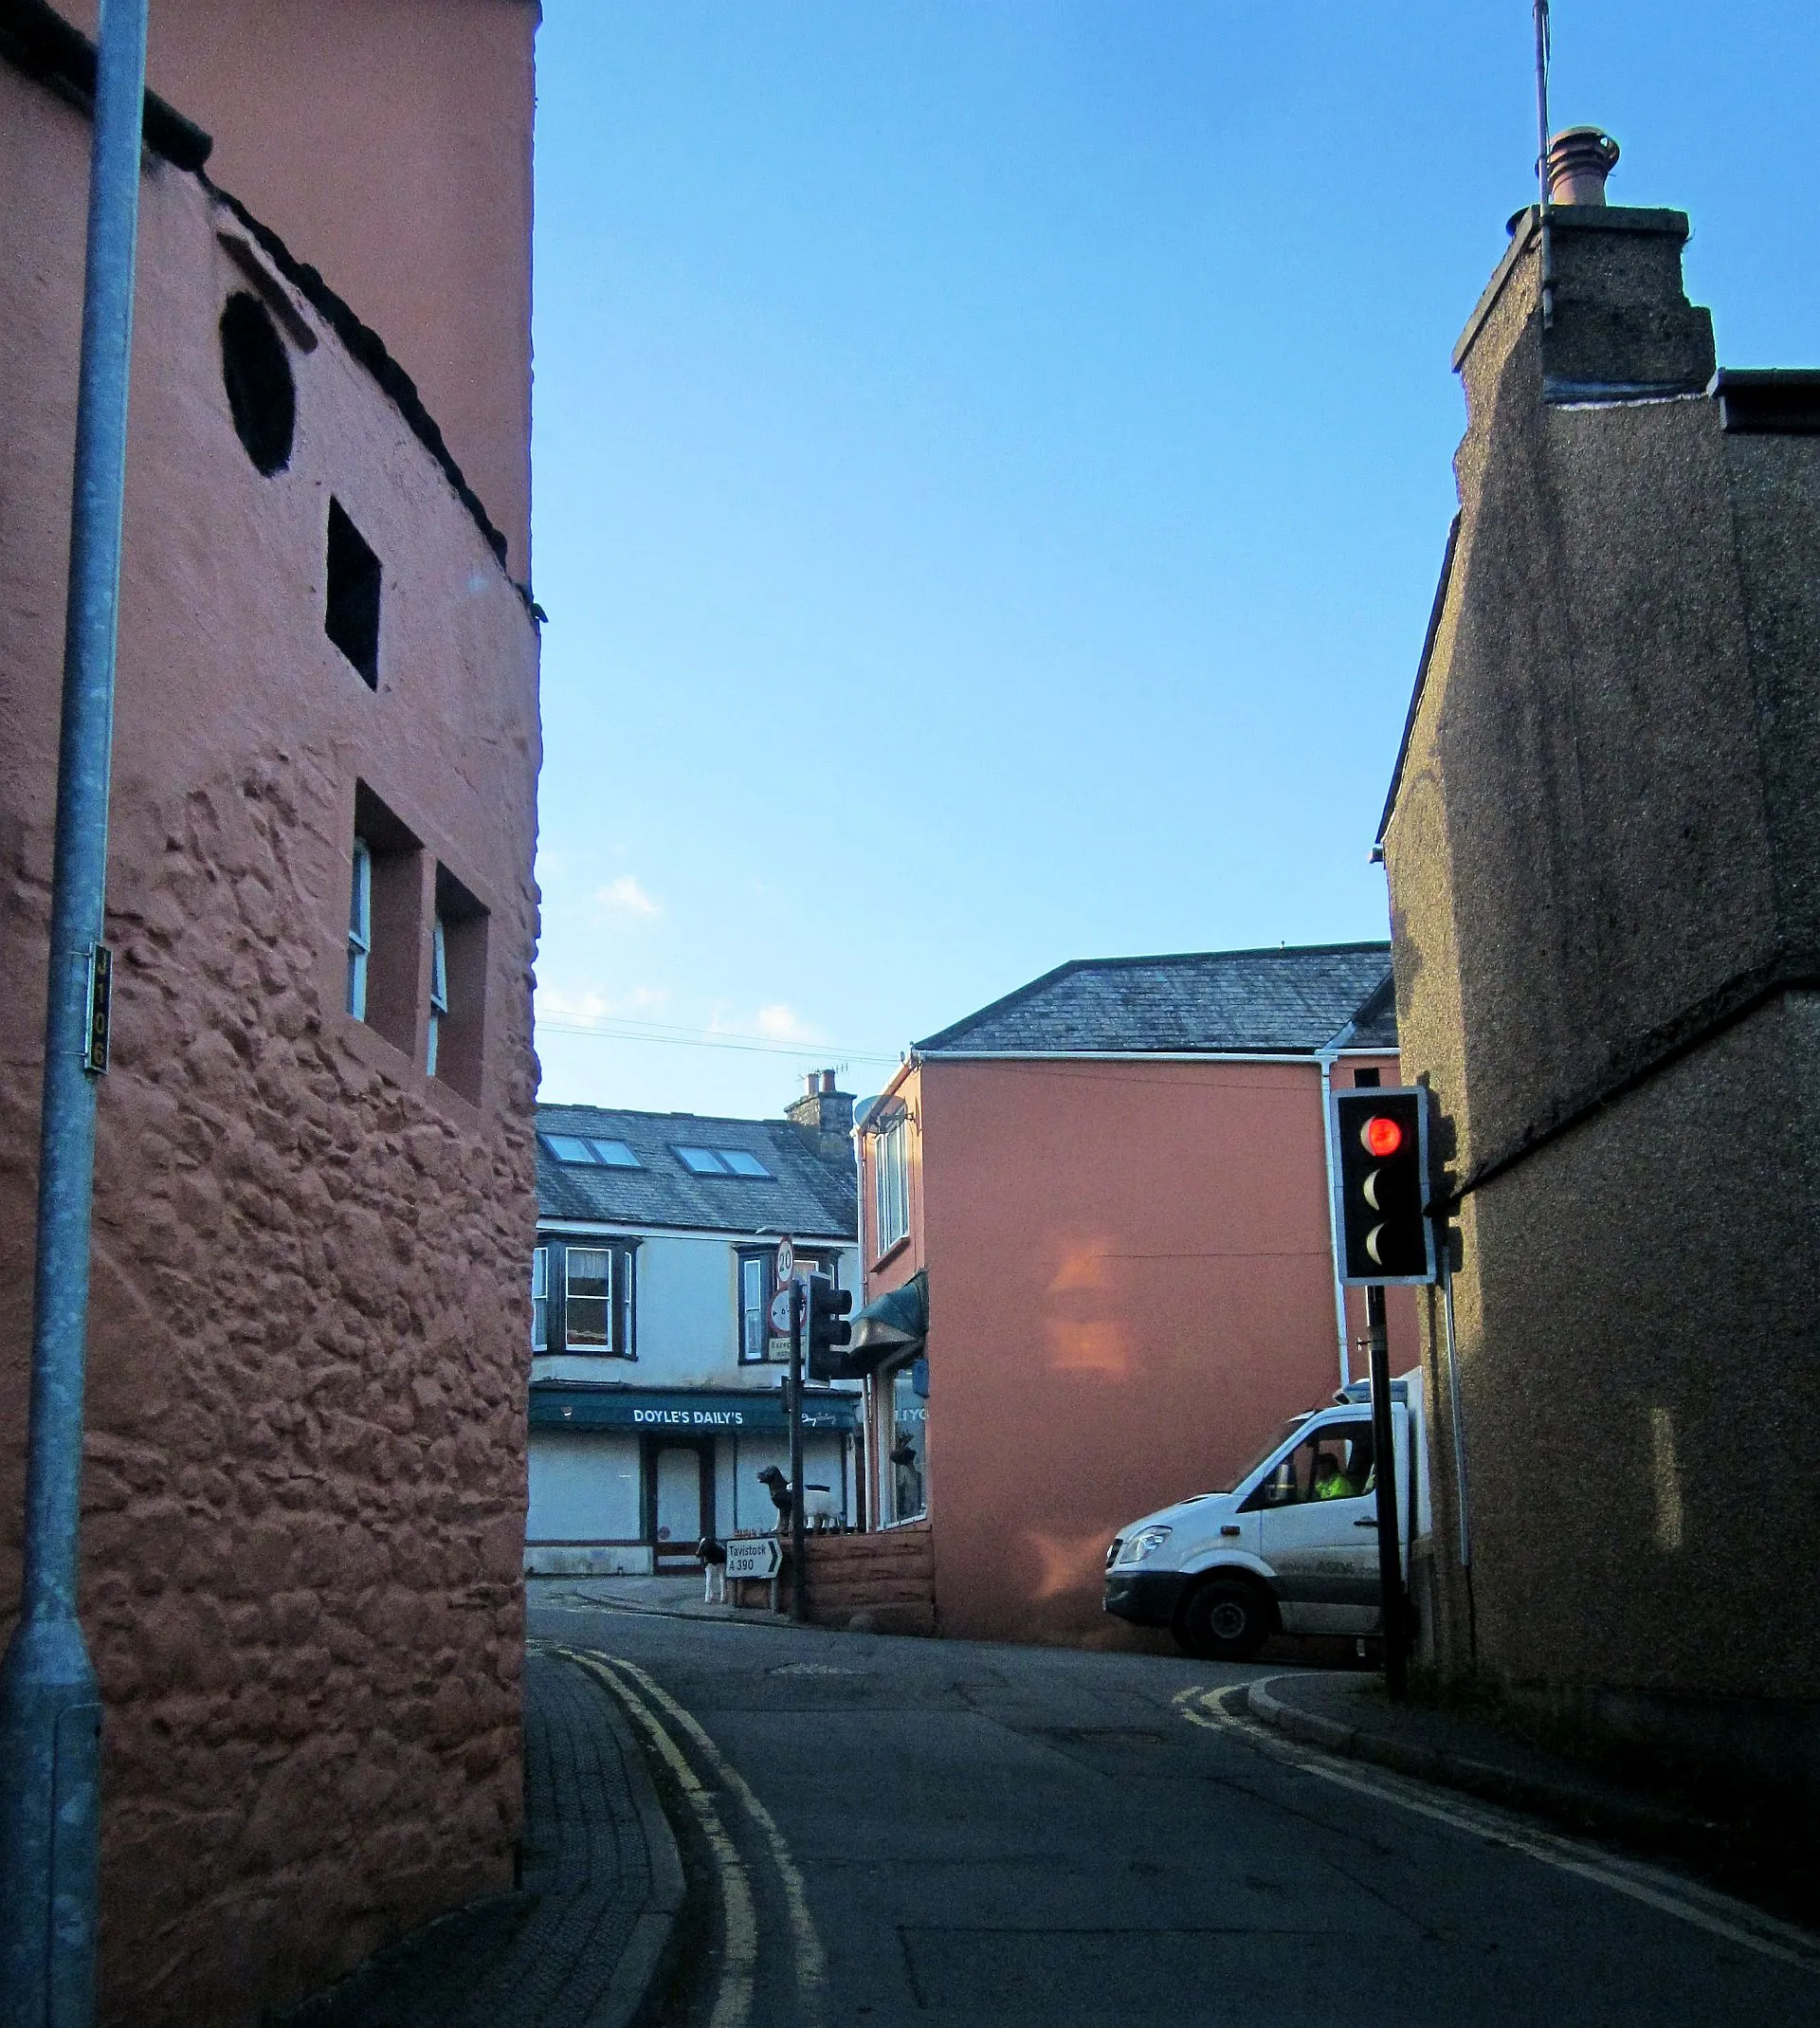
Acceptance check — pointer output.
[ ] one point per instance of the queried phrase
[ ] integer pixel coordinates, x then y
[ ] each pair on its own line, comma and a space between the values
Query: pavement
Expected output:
586, 1939
1353, 1714
677, 1598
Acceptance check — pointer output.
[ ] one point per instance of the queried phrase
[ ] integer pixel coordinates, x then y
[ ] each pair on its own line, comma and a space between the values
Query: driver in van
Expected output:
1331, 1483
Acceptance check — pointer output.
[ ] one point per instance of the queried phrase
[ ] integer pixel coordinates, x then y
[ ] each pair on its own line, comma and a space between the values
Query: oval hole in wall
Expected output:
256, 371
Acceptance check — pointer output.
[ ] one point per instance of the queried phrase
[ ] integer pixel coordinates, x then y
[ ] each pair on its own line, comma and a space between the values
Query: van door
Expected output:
1318, 1513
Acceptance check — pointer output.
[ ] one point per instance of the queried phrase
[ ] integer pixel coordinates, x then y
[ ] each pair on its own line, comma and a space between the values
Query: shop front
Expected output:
626, 1479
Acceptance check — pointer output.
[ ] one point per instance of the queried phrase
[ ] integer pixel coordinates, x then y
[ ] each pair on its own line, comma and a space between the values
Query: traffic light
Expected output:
829, 1333
1381, 1185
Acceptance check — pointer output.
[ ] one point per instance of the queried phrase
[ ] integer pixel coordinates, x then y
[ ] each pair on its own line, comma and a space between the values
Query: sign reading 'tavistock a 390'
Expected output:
754, 1556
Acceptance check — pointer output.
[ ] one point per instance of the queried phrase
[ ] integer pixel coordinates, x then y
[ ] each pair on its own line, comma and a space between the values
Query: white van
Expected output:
1291, 1546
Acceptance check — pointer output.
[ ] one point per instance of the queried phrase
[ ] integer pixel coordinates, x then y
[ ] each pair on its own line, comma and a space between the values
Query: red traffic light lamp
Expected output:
1381, 1142
1381, 1136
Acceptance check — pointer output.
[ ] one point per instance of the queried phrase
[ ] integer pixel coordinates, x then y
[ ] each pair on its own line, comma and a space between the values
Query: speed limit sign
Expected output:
786, 1260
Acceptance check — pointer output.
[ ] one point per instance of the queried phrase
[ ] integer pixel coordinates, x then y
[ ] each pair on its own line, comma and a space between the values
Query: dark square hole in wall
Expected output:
459, 1024
351, 615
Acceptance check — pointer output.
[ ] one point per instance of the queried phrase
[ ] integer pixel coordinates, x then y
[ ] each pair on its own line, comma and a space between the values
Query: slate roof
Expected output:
1272, 1001
804, 1196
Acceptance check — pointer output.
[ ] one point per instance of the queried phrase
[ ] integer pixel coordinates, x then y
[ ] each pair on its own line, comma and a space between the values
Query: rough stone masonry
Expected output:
304, 1478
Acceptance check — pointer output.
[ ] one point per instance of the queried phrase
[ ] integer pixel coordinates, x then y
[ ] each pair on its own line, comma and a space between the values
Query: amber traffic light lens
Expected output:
1381, 1136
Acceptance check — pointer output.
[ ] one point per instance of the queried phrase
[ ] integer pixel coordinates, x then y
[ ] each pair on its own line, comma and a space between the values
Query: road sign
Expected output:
786, 1265
754, 1556
780, 1307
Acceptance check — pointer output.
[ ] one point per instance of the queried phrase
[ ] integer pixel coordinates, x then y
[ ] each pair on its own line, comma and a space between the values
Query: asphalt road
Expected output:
940, 1833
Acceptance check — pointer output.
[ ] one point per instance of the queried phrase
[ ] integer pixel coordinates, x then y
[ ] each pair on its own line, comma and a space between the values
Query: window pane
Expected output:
701, 1162
360, 897
565, 1147
1333, 1464
539, 1298
909, 1423
614, 1155
359, 928
752, 1323
589, 1292
438, 967
742, 1163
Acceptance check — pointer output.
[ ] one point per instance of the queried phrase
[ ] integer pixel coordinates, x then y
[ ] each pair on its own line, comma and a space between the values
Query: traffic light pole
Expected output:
799, 1576
1390, 1555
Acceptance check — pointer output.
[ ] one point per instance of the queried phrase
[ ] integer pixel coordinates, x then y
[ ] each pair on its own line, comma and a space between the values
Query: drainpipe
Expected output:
49, 1700
1325, 1057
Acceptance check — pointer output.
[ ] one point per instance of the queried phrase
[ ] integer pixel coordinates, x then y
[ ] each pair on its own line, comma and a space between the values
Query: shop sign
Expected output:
609, 1408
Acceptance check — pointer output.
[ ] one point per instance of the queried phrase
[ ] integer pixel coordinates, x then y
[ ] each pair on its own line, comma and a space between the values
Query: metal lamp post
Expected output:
49, 1699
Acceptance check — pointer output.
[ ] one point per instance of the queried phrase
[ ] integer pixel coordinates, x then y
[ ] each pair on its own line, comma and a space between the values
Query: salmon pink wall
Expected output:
388, 143
303, 1480
1130, 1283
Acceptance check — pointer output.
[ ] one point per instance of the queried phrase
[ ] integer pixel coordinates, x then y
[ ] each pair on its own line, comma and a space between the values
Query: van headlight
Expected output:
1145, 1543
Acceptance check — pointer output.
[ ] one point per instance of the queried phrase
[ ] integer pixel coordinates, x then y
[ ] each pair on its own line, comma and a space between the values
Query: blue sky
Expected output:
992, 462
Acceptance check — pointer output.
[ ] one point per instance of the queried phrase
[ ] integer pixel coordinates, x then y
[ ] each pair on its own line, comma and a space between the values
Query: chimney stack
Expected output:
824, 1117
1579, 159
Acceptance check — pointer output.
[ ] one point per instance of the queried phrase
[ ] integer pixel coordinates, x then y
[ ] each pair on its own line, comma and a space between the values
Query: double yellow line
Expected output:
1688, 1901
648, 1704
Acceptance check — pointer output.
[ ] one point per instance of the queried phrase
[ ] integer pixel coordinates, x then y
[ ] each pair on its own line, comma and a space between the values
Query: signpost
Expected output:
754, 1556
786, 1260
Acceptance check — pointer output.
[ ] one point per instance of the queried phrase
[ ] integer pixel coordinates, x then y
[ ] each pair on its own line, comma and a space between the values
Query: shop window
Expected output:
597, 1300
256, 372
539, 1298
454, 1050
350, 610
907, 1456
385, 914
891, 1185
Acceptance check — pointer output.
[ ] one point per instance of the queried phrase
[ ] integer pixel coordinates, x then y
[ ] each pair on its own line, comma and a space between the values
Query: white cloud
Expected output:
779, 1023
590, 1004
624, 900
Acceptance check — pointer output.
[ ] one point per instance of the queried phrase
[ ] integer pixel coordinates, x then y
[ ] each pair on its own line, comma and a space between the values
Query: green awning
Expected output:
893, 1323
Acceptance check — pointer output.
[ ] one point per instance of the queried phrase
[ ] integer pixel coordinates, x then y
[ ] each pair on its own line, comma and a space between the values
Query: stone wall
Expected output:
304, 1479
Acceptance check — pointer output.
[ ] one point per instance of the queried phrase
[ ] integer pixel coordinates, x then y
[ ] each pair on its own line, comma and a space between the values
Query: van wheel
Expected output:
1228, 1619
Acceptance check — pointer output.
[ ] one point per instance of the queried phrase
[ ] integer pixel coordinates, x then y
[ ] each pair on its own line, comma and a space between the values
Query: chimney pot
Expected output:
809, 1083
1579, 159
827, 1080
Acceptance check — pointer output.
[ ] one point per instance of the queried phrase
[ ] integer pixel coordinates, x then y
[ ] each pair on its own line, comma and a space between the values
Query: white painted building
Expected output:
655, 1377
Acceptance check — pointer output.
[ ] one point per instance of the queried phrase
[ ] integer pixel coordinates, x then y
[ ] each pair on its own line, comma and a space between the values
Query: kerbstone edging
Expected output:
641, 1972
1531, 1794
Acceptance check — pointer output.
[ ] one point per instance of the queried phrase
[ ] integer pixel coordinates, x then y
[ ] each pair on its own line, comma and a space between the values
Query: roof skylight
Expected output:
590, 1154
720, 1161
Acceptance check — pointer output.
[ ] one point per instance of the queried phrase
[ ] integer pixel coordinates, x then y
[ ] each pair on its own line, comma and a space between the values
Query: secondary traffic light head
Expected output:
1381, 1185
828, 1332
